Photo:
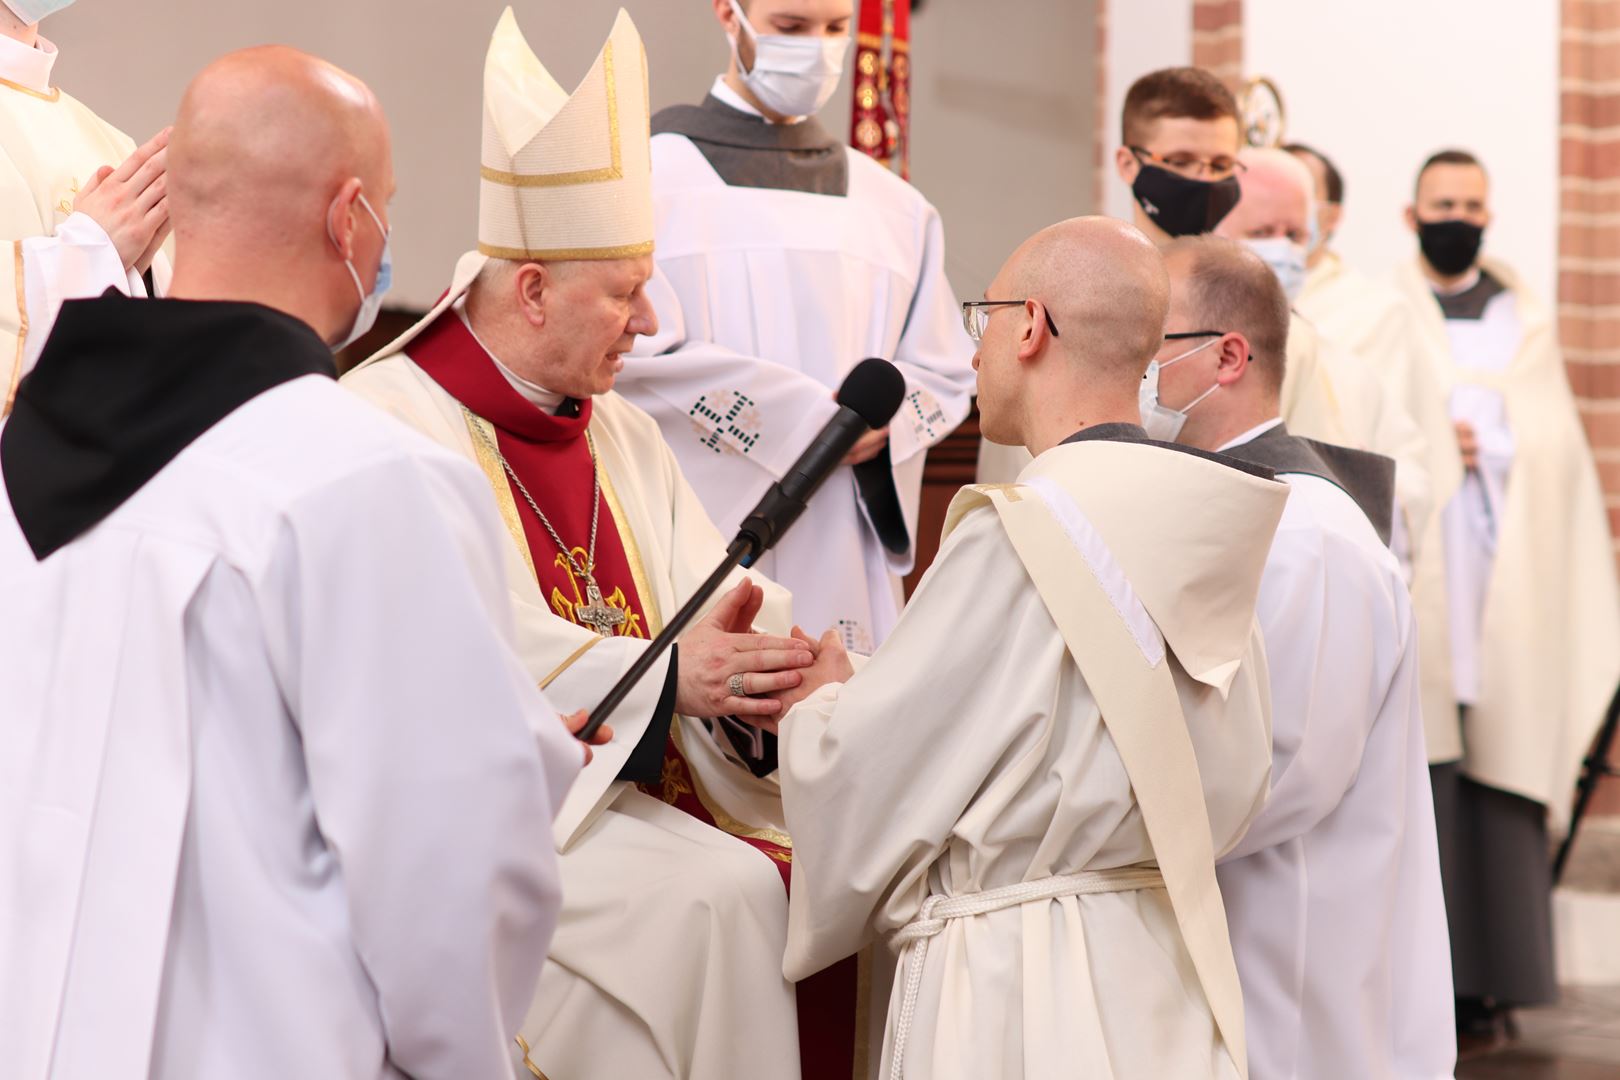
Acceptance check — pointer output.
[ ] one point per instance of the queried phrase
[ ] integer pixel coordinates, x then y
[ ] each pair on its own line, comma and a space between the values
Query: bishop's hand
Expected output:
130, 202
721, 645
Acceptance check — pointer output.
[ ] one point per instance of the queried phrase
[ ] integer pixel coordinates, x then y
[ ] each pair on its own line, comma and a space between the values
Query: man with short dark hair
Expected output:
1534, 605
1178, 151
1333, 895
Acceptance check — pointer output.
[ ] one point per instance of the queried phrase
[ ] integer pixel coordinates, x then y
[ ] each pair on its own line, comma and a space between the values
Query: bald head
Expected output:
1279, 198
266, 136
270, 159
1105, 285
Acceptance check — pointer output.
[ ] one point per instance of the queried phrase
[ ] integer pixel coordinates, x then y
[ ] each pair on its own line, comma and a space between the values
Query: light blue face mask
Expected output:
33, 11
370, 303
1286, 259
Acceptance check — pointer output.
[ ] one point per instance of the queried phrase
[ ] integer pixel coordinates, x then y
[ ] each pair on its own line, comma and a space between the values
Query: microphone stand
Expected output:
741, 548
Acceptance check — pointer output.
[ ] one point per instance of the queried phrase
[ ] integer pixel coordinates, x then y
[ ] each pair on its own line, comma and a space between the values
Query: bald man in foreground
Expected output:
1026, 787
263, 813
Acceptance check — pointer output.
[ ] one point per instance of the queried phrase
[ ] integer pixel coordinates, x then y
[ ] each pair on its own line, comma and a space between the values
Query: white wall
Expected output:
1001, 135
1381, 84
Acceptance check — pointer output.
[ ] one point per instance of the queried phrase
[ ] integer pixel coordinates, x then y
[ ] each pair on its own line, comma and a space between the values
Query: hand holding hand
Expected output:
832, 665
130, 202
721, 645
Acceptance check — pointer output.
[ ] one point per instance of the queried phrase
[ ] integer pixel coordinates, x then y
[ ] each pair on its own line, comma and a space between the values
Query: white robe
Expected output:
1333, 895
264, 813
766, 299
1549, 644
970, 754
1378, 326
50, 145
671, 929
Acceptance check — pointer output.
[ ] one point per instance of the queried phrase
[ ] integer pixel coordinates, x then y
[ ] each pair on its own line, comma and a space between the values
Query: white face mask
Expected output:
1286, 259
32, 11
792, 76
370, 302
1159, 420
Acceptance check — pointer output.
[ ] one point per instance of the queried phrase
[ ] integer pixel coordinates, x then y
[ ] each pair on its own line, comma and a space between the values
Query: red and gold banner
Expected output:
880, 105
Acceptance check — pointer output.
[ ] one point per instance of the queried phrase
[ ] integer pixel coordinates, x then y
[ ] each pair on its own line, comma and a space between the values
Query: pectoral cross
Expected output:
596, 613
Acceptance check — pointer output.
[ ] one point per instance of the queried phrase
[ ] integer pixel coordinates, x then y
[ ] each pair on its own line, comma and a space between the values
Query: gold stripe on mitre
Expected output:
565, 176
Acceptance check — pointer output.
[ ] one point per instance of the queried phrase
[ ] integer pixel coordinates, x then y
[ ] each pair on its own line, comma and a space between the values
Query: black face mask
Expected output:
1182, 206
1450, 246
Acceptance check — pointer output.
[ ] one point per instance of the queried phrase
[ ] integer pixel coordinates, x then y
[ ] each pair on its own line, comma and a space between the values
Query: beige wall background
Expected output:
1003, 97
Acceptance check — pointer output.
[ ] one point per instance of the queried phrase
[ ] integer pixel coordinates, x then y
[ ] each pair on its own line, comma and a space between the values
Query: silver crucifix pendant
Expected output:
596, 613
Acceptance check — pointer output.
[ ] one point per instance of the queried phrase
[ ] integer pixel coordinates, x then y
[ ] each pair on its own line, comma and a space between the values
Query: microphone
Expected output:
868, 398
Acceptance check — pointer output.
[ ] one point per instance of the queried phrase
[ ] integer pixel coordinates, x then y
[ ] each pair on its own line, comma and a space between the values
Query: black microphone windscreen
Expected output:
873, 391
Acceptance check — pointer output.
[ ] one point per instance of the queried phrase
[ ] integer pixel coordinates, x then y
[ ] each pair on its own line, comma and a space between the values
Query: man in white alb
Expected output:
264, 812
1530, 579
1333, 895
1026, 787
784, 259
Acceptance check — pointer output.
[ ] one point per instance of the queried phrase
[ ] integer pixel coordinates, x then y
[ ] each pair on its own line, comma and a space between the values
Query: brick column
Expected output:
1589, 243
1218, 39
1589, 227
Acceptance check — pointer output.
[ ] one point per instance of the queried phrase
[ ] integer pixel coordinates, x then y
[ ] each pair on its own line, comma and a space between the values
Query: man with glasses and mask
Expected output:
1333, 895
275, 791
1535, 611
1025, 789
785, 258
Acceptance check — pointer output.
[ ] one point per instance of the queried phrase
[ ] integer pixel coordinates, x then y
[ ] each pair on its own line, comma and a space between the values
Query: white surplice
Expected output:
671, 929
1333, 895
969, 754
766, 299
1549, 624
265, 813
50, 146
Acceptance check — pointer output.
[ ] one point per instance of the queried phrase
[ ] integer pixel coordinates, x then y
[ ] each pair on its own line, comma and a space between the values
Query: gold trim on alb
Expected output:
53, 94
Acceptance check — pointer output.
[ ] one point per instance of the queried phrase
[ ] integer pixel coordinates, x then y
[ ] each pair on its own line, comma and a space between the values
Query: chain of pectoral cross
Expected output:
596, 613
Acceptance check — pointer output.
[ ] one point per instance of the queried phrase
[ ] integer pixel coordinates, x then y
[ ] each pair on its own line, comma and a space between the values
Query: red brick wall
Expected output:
1589, 242
1589, 226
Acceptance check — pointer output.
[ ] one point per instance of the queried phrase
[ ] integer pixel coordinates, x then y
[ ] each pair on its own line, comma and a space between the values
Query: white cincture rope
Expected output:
938, 911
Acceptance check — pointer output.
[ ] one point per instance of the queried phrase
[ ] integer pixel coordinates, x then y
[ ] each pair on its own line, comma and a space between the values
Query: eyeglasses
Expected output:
1218, 167
976, 315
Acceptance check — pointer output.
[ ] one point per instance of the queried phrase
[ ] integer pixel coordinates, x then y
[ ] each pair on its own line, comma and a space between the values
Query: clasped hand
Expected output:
131, 202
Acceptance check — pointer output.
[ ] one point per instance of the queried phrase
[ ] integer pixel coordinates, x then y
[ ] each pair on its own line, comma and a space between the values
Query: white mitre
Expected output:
565, 176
